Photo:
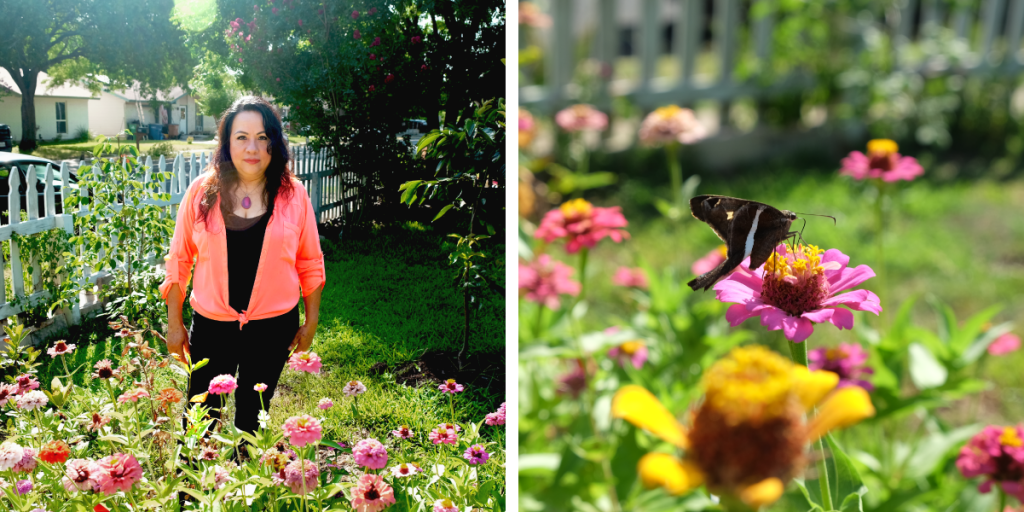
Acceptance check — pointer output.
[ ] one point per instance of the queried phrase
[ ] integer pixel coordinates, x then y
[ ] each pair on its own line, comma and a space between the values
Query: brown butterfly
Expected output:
748, 228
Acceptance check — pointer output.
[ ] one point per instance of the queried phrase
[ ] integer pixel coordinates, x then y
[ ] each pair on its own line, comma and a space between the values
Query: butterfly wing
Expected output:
726, 214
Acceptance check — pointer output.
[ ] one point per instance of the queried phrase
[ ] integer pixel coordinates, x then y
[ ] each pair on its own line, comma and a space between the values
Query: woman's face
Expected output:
250, 145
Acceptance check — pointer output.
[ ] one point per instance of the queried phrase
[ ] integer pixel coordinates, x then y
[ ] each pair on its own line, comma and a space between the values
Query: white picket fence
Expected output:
991, 30
333, 196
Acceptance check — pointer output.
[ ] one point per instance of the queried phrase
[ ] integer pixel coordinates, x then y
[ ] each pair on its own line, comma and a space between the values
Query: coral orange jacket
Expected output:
291, 258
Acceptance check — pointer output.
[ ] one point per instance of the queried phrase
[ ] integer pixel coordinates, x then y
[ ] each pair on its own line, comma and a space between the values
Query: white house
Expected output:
117, 109
60, 111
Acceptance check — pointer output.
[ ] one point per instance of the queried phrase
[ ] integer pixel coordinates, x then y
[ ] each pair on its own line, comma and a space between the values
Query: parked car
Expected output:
9, 161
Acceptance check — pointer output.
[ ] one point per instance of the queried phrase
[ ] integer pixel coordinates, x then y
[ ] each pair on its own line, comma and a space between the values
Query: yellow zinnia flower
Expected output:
748, 436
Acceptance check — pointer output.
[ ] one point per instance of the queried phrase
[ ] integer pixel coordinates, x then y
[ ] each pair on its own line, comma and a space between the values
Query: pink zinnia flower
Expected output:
10, 455
82, 475
496, 417
531, 15
27, 464
476, 454
23, 487
370, 453
544, 279
305, 362
302, 430
354, 388
26, 383
372, 494
274, 10
220, 476
300, 23
371, 88
1004, 344
581, 117
261, 387
996, 453
630, 278
882, 161
372, 11
582, 224
390, 78
671, 124
32, 400
301, 473
443, 435
222, 384
373, 56
527, 127
119, 473
416, 39
405, 469
403, 432
355, 15
60, 348
356, 34
445, 505
450, 386
97, 422
798, 290
133, 395
846, 361
633, 351
376, 42
7, 392
325, 403
574, 382
710, 260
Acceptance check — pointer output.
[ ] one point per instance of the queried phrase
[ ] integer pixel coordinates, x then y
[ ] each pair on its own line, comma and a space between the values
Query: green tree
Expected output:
72, 39
353, 73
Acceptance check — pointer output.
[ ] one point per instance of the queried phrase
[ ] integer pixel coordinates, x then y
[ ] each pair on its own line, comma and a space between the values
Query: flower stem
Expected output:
538, 327
675, 176
799, 354
1002, 499
583, 277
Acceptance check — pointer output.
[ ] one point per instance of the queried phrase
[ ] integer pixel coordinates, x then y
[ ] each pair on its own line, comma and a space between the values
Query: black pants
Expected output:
258, 352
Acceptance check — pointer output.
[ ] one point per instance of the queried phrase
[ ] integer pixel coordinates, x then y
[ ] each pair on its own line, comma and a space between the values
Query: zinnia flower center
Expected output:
1010, 438
372, 494
576, 209
752, 384
795, 282
61, 346
630, 347
882, 154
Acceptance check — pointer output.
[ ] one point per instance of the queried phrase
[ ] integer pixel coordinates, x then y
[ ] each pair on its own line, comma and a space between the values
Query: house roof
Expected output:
63, 91
171, 95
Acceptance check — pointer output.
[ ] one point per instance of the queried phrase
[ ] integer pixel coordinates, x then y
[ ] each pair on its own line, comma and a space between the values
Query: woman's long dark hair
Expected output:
223, 175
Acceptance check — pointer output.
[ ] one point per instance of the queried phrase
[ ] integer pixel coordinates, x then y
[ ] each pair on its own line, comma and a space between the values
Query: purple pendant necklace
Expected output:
246, 202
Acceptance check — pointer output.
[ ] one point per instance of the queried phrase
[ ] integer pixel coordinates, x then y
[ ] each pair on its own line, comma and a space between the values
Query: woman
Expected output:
251, 227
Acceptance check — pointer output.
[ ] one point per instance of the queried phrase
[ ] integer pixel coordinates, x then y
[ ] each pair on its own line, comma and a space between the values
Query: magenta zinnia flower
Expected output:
798, 290
882, 161
27, 464
582, 224
443, 435
8, 392
574, 382
261, 387
325, 403
302, 430
496, 417
996, 453
82, 475
633, 351
476, 454
581, 117
630, 278
370, 453
133, 395
450, 386
305, 362
543, 280
846, 361
1004, 344
60, 348
403, 432
372, 494
26, 383
301, 473
222, 384
710, 260
119, 472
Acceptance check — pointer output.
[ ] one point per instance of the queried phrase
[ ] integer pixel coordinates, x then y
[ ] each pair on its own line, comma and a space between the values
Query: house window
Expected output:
62, 117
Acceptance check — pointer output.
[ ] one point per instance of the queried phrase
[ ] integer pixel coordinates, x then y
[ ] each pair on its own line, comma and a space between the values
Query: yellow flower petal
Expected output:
198, 399
639, 407
763, 493
845, 407
664, 470
811, 387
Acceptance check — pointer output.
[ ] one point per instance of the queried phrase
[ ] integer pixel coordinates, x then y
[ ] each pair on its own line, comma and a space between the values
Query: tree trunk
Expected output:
27, 84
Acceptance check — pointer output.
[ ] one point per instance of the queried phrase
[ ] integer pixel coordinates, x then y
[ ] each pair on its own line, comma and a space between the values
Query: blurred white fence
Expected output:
333, 196
600, 29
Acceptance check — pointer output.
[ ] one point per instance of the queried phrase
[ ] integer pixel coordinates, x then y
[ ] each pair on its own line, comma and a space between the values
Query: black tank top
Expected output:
245, 244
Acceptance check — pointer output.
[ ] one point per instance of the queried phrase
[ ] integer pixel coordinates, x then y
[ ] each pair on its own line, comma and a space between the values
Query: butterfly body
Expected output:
748, 228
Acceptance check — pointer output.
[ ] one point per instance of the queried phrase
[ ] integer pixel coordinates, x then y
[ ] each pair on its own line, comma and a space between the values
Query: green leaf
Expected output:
410, 191
925, 369
625, 460
443, 211
845, 484
427, 140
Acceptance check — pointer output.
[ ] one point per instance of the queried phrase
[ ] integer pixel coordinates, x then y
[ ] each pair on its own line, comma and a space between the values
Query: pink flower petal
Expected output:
842, 318
738, 313
797, 329
819, 316
848, 278
771, 317
730, 290
859, 300
837, 256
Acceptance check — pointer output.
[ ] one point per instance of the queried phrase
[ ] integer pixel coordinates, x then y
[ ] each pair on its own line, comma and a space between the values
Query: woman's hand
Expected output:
177, 341
303, 338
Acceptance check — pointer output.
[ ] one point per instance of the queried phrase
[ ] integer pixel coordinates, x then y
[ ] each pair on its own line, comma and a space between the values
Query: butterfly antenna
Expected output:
818, 215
